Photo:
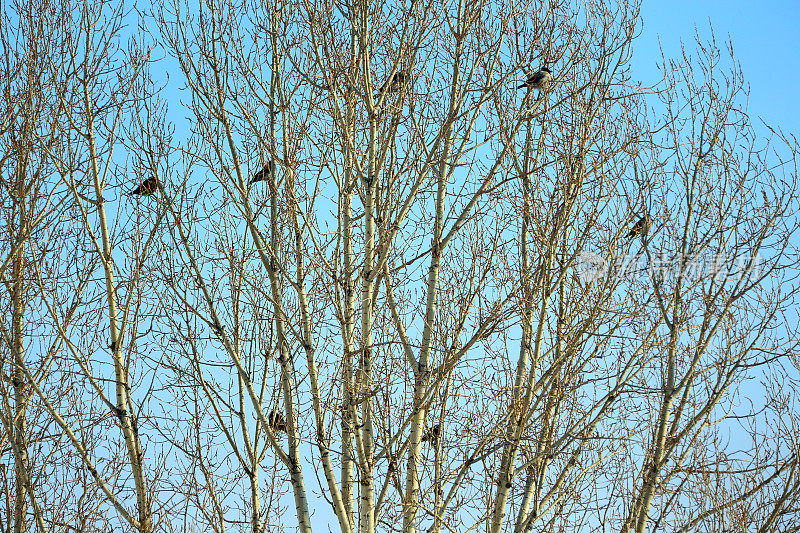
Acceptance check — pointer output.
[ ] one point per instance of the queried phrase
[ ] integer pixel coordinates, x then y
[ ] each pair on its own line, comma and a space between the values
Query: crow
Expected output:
276, 421
262, 174
641, 227
396, 83
538, 80
432, 434
147, 188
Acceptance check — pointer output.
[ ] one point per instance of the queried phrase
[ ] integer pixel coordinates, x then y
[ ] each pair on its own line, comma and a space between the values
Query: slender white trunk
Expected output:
18, 357
348, 320
123, 400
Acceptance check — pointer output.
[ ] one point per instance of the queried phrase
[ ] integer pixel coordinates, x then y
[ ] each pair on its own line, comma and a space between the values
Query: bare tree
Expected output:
378, 276
66, 101
30, 204
391, 139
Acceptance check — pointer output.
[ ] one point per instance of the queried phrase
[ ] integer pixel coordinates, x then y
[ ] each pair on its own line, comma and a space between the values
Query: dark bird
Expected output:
538, 80
263, 174
641, 227
147, 188
432, 434
218, 329
276, 421
396, 83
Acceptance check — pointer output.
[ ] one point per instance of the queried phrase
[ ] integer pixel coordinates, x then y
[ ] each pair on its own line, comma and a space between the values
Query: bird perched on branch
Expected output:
264, 173
641, 227
218, 329
432, 434
538, 80
276, 421
395, 83
147, 187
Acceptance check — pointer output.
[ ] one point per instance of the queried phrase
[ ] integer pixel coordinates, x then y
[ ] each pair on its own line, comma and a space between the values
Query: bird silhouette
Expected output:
276, 421
641, 227
147, 187
432, 434
538, 80
262, 174
395, 83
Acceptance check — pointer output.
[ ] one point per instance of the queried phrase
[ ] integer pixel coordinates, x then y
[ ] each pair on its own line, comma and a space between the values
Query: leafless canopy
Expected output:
316, 265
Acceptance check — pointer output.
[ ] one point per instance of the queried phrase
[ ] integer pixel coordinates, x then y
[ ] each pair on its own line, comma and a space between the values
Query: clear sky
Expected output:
765, 38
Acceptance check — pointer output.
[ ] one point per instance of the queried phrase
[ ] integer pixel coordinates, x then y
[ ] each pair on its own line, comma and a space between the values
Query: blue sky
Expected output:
765, 42
763, 39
